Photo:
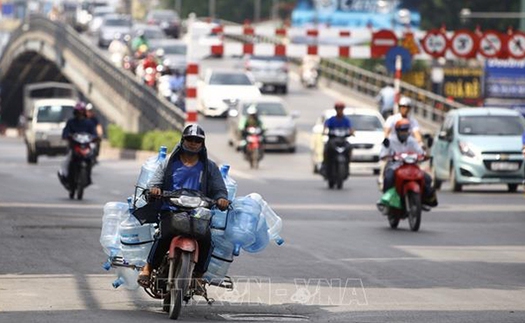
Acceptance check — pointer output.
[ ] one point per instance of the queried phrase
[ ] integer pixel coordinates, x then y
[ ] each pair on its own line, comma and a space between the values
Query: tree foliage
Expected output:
435, 13
232, 10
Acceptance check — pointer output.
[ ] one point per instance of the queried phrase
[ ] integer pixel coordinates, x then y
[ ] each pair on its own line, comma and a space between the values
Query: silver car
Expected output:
113, 25
269, 72
174, 51
279, 124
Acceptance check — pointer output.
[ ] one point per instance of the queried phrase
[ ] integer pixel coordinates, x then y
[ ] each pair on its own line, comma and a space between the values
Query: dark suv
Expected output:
167, 20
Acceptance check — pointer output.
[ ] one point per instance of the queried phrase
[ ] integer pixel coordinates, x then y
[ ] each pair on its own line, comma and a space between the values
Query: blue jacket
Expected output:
212, 184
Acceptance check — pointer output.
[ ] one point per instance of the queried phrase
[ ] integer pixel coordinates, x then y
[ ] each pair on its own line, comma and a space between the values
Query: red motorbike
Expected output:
174, 281
409, 185
253, 151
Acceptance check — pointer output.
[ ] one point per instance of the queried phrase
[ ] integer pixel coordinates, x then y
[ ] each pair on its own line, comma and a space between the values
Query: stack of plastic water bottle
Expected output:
249, 225
126, 242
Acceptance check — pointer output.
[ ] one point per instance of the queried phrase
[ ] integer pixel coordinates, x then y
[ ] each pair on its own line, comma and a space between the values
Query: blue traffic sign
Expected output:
390, 59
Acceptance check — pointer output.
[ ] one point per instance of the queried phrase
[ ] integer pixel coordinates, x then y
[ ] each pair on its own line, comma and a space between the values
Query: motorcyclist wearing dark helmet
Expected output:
400, 143
79, 122
187, 167
339, 122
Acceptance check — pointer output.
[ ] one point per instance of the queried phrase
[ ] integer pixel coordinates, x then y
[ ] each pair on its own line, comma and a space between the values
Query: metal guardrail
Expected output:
156, 113
427, 105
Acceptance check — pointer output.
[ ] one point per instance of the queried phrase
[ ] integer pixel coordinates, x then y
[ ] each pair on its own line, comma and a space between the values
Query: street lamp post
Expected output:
211, 8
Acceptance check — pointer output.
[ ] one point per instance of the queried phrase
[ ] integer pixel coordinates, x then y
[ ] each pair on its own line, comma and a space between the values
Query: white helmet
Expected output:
252, 110
405, 102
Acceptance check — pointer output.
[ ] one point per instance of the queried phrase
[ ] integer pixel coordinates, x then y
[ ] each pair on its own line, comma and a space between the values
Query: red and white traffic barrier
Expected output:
192, 77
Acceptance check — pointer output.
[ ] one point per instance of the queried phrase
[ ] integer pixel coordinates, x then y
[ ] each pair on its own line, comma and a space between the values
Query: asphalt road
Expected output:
340, 261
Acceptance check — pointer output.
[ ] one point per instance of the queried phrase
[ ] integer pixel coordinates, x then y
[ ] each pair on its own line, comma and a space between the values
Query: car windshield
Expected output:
118, 22
269, 58
490, 125
165, 16
365, 122
229, 79
54, 113
175, 49
267, 108
153, 34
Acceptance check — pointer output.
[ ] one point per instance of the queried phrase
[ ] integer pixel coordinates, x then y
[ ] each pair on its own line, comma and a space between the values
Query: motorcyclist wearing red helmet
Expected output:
400, 143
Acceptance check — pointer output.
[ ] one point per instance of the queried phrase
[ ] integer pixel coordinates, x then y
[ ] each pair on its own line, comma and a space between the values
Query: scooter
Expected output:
173, 281
309, 77
253, 151
80, 164
336, 169
409, 185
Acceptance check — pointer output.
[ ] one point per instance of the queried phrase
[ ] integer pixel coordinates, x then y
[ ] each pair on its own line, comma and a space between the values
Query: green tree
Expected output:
435, 13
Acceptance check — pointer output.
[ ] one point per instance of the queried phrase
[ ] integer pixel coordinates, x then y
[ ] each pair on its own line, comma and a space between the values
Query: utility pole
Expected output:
178, 7
522, 20
211, 8
257, 11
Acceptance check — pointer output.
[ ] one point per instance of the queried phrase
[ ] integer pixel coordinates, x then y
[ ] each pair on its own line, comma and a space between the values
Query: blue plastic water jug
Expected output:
219, 219
221, 259
262, 238
147, 170
242, 225
114, 214
136, 239
273, 221
126, 277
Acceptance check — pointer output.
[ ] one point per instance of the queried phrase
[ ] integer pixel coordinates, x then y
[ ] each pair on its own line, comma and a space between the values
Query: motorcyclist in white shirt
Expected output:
402, 142
405, 105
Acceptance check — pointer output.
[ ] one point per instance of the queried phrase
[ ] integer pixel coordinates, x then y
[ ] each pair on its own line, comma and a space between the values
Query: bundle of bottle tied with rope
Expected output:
248, 224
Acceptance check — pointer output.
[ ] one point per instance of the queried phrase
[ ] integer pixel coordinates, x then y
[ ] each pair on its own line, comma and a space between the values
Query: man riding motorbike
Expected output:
337, 122
78, 123
252, 120
187, 167
399, 143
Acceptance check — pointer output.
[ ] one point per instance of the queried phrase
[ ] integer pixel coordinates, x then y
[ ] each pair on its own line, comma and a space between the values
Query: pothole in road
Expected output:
264, 317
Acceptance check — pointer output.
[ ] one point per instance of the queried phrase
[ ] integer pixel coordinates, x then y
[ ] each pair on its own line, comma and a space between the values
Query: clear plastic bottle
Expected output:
147, 170
126, 277
242, 226
114, 214
274, 222
136, 239
221, 259
219, 219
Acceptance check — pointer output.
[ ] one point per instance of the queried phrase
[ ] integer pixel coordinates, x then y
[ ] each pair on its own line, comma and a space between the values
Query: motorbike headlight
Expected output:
409, 158
465, 149
187, 201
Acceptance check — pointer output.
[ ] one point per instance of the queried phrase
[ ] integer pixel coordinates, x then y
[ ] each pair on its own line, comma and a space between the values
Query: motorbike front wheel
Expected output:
254, 159
413, 205
181, 268
393, 221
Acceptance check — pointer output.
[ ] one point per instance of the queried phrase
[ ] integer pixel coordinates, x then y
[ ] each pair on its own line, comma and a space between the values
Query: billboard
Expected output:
505, 79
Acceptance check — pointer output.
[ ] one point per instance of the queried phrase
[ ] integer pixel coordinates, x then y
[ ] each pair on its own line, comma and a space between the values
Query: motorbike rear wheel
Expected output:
413, 206
82, 180
180, 266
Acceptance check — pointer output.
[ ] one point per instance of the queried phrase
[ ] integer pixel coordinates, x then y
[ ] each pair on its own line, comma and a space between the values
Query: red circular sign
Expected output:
516, 45
464, 43
382, 41
491, 44
435, 43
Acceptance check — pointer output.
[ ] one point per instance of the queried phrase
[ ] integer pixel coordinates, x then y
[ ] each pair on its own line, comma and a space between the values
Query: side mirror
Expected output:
386, 143
233, 113
429, 140
443, 135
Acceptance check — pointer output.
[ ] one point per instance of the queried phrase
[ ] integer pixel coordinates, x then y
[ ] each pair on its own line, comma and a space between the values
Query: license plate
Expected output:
505, 166
270, 139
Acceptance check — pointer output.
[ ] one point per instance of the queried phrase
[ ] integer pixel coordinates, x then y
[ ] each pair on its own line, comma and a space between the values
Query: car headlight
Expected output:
465, 149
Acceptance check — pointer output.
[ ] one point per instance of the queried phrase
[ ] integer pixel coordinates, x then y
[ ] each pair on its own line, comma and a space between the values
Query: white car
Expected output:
222, 89
280, 128
366, 142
